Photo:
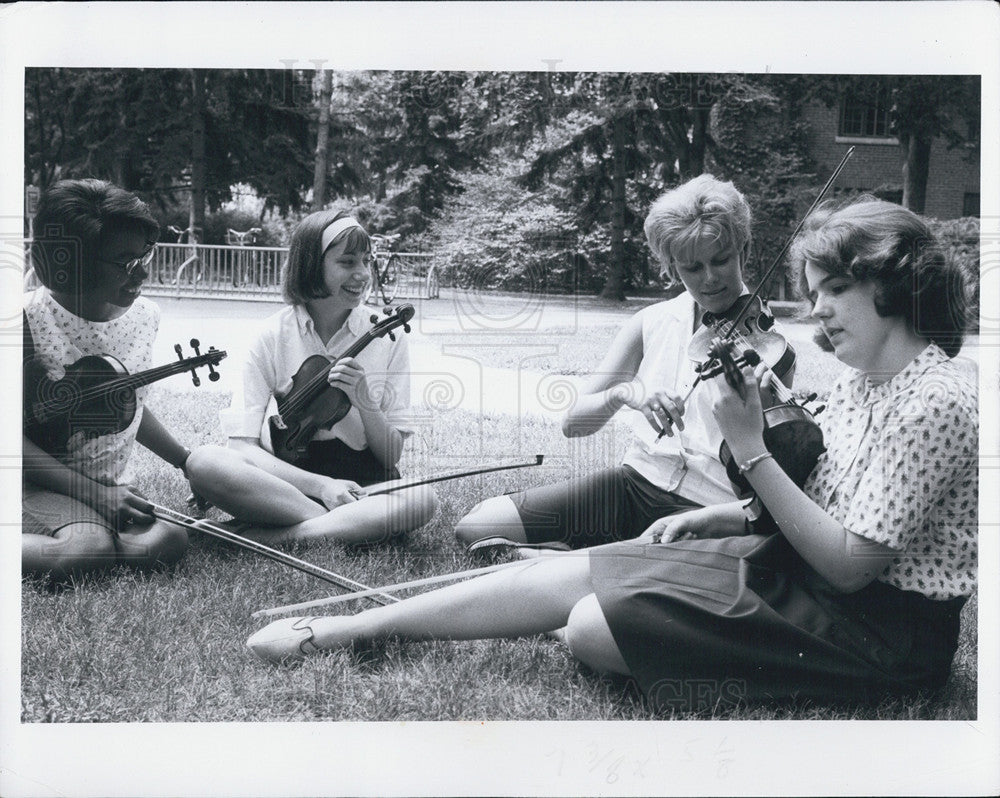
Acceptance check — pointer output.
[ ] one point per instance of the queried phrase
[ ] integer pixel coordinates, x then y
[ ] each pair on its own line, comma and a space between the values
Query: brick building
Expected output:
877, 163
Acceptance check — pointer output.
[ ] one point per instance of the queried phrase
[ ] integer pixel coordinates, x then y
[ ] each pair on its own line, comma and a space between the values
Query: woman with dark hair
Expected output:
92, 245
324, 284
857, 595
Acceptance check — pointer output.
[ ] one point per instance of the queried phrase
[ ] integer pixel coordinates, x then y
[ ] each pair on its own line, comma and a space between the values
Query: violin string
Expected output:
316, 384
125, 381
779, 388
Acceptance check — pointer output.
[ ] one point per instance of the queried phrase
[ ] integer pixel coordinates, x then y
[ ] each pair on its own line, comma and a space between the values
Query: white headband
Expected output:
333, 231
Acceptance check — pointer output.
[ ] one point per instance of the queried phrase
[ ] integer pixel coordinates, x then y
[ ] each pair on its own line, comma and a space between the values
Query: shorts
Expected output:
607, 506
334, 458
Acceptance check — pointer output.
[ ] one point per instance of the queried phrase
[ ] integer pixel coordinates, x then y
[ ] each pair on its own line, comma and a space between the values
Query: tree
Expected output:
196, 223
635, 134
322, 140
925, 107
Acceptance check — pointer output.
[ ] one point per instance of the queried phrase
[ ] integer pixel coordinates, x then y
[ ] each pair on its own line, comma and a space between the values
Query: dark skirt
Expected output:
334, 458
709, 623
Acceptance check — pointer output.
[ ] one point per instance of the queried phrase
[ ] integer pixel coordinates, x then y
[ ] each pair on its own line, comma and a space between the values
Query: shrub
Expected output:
496, 234
960, 240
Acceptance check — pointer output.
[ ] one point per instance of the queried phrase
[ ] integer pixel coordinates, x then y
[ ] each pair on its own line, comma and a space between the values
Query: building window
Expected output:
865, 113
970, 203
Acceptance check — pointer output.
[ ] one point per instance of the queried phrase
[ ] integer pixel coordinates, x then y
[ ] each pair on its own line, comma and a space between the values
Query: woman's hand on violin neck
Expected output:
350, 377
740, 419
335, 492
767, 381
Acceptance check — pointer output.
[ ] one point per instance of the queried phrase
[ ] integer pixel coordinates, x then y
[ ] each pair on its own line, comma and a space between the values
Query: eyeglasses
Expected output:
129, 266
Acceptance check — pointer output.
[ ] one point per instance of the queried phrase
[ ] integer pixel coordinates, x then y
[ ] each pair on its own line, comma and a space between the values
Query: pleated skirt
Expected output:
706, 624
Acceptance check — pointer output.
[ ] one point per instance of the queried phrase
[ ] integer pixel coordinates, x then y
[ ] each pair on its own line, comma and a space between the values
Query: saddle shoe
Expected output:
284, 642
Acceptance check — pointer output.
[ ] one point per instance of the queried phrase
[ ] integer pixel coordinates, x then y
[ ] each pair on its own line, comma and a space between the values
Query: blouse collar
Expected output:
868, 393
355, 323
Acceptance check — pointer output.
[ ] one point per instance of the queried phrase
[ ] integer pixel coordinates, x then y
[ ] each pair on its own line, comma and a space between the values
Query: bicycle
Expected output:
386, 270
192, 259
245, 268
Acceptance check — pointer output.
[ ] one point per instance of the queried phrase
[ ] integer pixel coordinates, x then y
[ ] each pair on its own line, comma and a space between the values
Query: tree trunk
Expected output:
916, 166
699, 141
614, 287
197, 215
322, 142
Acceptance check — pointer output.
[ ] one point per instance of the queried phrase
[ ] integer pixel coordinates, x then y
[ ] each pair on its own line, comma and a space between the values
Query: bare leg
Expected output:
372, 519
511, 603
280, 513
156, 545
73, 550
493, 517
589, 638
234, 484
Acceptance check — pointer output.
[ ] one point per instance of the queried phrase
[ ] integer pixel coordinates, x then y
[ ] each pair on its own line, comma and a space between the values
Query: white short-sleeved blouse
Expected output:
286, 340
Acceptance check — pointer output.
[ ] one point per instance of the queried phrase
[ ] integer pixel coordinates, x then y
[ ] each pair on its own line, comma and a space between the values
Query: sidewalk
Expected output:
440, 381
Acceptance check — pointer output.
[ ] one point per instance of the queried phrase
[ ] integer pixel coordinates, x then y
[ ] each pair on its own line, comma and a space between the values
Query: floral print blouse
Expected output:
901, 469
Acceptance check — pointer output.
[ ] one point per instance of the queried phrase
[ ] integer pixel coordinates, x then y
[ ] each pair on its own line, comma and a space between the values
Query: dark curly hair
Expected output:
75, 219
892, 247
303, 278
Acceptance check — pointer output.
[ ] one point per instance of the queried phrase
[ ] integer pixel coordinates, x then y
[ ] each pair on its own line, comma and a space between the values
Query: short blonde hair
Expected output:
704, 206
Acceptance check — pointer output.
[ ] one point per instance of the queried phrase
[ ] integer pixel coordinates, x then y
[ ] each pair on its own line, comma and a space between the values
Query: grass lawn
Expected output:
170, 647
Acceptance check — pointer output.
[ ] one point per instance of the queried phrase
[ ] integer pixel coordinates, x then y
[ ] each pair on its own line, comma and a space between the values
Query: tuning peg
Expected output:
819, 410
180, 353
373, 318
195, 343
392, 337
387, 310
213, 375
406, 328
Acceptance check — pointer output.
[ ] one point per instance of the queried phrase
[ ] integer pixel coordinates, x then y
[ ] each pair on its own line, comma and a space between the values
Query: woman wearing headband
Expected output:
324, 283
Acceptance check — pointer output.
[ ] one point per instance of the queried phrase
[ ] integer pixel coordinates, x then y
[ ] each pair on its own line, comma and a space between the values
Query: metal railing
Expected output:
253, 273
213, 270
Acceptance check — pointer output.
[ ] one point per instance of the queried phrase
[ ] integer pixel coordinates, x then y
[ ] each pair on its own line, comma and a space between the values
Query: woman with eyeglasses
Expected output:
93, 243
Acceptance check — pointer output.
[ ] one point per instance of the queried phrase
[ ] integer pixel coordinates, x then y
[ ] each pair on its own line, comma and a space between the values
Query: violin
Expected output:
312, 404
748, 315
791, 433
96, 395
753, 329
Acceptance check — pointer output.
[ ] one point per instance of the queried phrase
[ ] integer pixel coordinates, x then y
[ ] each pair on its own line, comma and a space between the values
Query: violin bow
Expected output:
788, 242
221, 533
430, 580
412, 482
734, 325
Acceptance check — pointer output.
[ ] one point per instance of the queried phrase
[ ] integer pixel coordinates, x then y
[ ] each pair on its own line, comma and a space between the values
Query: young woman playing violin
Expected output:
79, 512
857, 595
320, 495
700, 232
